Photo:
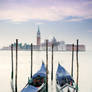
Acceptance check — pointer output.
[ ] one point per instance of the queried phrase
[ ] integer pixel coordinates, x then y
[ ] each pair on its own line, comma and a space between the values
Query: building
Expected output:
38, 37
58, 45
69, 47
61, 46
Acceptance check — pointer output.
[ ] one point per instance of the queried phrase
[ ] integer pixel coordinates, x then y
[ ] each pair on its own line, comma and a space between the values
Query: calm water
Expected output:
85, 68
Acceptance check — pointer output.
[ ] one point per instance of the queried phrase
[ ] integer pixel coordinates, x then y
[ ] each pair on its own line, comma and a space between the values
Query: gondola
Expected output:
38, 81
64, 81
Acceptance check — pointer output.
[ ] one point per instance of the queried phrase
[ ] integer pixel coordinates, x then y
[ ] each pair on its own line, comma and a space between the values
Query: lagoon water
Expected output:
85, 68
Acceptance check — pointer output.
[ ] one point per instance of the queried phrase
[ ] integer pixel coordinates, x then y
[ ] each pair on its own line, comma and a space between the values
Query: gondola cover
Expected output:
62, 74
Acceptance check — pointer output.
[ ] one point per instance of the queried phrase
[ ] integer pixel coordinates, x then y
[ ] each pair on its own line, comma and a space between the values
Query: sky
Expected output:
67, 20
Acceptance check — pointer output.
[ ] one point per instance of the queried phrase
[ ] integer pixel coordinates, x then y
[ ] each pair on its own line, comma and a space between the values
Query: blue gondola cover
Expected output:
41, 72
61, 74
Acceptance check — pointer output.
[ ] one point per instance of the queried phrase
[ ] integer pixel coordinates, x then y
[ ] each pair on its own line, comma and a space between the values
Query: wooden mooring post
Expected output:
12, 70
31, 60
46, 65
72, 60
16, 68
52, 64
77, 49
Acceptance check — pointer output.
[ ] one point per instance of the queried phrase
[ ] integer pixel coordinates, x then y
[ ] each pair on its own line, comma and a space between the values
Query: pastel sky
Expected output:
67, 20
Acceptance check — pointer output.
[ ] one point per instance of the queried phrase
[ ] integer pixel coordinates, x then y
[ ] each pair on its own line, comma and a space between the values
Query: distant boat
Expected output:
38, 81
64, 81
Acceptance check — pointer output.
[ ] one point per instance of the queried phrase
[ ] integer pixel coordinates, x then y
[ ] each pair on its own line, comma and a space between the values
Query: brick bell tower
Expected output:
38, 37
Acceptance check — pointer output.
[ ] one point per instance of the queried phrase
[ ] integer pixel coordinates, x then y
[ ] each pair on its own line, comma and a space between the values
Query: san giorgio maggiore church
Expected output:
58, 45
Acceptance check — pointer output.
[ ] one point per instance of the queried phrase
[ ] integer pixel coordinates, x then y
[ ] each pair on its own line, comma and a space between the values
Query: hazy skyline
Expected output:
67, 20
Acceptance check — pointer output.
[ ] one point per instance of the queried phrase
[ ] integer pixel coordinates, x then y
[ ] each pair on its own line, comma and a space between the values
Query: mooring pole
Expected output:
12, 62
31, 60
16, 68
12, 69
72, 60
46, 65
52, 64
77, 49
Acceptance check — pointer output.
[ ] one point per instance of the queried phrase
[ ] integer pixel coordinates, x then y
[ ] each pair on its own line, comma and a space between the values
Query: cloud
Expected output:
90, 31
73, 19
21, 12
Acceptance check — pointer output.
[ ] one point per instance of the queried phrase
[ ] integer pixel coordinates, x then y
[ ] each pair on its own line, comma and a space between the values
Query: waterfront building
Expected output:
69, 47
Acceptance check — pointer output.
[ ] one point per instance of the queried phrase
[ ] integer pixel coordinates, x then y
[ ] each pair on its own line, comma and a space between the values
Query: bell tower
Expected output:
38, 37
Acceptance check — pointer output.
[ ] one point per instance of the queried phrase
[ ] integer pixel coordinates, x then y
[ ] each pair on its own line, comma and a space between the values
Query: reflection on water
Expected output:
85, 64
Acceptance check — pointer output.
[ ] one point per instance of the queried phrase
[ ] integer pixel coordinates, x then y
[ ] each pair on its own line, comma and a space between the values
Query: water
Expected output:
85, 66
